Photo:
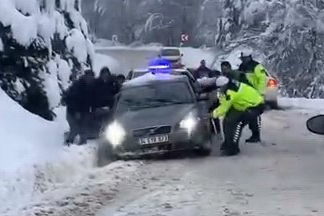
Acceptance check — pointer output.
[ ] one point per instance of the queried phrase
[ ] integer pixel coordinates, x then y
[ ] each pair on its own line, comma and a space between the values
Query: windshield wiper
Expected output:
170, 101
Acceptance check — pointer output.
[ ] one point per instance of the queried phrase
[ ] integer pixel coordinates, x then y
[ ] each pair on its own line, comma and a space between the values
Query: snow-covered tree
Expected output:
42, 43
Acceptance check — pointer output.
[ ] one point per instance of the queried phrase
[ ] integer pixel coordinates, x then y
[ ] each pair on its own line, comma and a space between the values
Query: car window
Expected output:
138, 74
170, 52
155, 95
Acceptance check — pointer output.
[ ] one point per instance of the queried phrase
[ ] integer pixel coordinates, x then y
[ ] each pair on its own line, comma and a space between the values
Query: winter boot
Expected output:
231, 152
253, 139
223, 146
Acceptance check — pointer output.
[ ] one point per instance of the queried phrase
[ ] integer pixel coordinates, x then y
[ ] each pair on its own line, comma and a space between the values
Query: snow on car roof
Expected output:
165, 48
140, 70
173, 70
149, 77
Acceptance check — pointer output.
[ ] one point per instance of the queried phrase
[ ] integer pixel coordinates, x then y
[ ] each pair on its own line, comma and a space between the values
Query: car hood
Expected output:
165, 115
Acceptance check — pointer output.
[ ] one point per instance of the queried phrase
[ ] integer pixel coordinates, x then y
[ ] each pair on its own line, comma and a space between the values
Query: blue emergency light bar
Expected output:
160, 65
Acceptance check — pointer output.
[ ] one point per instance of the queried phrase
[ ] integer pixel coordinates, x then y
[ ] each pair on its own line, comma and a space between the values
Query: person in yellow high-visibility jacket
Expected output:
239, 104
254, 74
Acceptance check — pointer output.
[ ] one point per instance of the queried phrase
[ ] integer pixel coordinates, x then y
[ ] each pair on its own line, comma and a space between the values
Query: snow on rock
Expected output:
77, 44
7, 12
60, 26
64, 71
46, 28
51, 84
67, 5
19, 86
24, 29
79, 22
27, 7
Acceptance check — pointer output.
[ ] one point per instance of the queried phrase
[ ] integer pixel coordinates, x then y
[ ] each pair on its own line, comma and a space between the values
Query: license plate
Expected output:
154, 140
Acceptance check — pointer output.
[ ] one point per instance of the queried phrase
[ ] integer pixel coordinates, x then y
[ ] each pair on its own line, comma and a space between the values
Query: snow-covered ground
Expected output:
302, 103
35, 167
282, 176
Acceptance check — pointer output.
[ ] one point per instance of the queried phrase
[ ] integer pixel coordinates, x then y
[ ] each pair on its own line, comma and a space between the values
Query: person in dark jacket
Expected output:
79, 101
203, 71
120, 79
106, 88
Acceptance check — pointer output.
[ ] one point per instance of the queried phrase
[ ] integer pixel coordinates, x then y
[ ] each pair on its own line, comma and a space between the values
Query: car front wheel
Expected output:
206, 148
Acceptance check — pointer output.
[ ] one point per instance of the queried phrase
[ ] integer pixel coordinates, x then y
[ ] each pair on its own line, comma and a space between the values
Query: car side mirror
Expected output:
202, 97
316, 124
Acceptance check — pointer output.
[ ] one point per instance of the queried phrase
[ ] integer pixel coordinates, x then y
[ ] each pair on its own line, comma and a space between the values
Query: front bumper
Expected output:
178, 140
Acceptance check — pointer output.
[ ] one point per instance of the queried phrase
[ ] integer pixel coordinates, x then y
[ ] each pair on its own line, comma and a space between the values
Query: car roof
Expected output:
149, 79
169, 48
140, 70
173, 70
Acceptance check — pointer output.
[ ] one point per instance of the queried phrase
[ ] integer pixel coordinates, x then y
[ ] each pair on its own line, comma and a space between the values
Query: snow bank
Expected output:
101, 61
302, 103
32, 157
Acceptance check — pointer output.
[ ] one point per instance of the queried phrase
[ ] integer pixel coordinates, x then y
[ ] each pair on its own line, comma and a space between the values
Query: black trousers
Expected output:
234, 123
254, 120
78, 126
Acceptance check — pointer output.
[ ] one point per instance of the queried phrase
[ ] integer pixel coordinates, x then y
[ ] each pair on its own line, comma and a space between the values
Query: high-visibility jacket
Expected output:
241, 99
258, 78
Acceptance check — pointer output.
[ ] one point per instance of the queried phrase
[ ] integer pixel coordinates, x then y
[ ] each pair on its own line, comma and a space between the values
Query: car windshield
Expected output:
170, 52
155, 95
139, 73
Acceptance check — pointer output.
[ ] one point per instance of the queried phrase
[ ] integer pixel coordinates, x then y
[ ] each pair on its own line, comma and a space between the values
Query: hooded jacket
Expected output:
255, 75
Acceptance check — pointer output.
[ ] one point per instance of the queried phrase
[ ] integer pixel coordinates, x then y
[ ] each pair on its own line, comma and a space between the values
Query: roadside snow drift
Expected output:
32, 157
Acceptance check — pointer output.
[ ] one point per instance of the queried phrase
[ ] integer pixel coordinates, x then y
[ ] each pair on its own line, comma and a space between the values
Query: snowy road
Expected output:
283, 176
139, 58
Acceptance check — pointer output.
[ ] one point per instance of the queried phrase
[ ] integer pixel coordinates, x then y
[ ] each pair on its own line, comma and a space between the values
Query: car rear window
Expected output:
170, 52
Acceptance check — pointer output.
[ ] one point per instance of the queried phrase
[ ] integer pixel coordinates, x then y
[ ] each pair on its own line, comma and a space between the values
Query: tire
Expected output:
206, 148
105, 154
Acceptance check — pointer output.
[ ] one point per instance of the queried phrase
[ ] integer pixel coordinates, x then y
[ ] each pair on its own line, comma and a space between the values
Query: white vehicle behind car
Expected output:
271, 94
172, 54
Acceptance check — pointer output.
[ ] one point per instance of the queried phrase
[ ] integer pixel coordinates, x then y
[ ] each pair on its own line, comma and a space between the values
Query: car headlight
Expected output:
189, 123
115, 134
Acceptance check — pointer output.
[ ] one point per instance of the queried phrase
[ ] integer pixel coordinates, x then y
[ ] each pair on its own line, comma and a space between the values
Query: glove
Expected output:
214, 114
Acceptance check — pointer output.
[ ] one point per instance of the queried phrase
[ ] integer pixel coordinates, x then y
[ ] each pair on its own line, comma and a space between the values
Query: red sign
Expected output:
184, 37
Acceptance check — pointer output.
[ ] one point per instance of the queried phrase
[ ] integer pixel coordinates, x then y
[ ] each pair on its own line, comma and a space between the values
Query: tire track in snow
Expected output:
83, 196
